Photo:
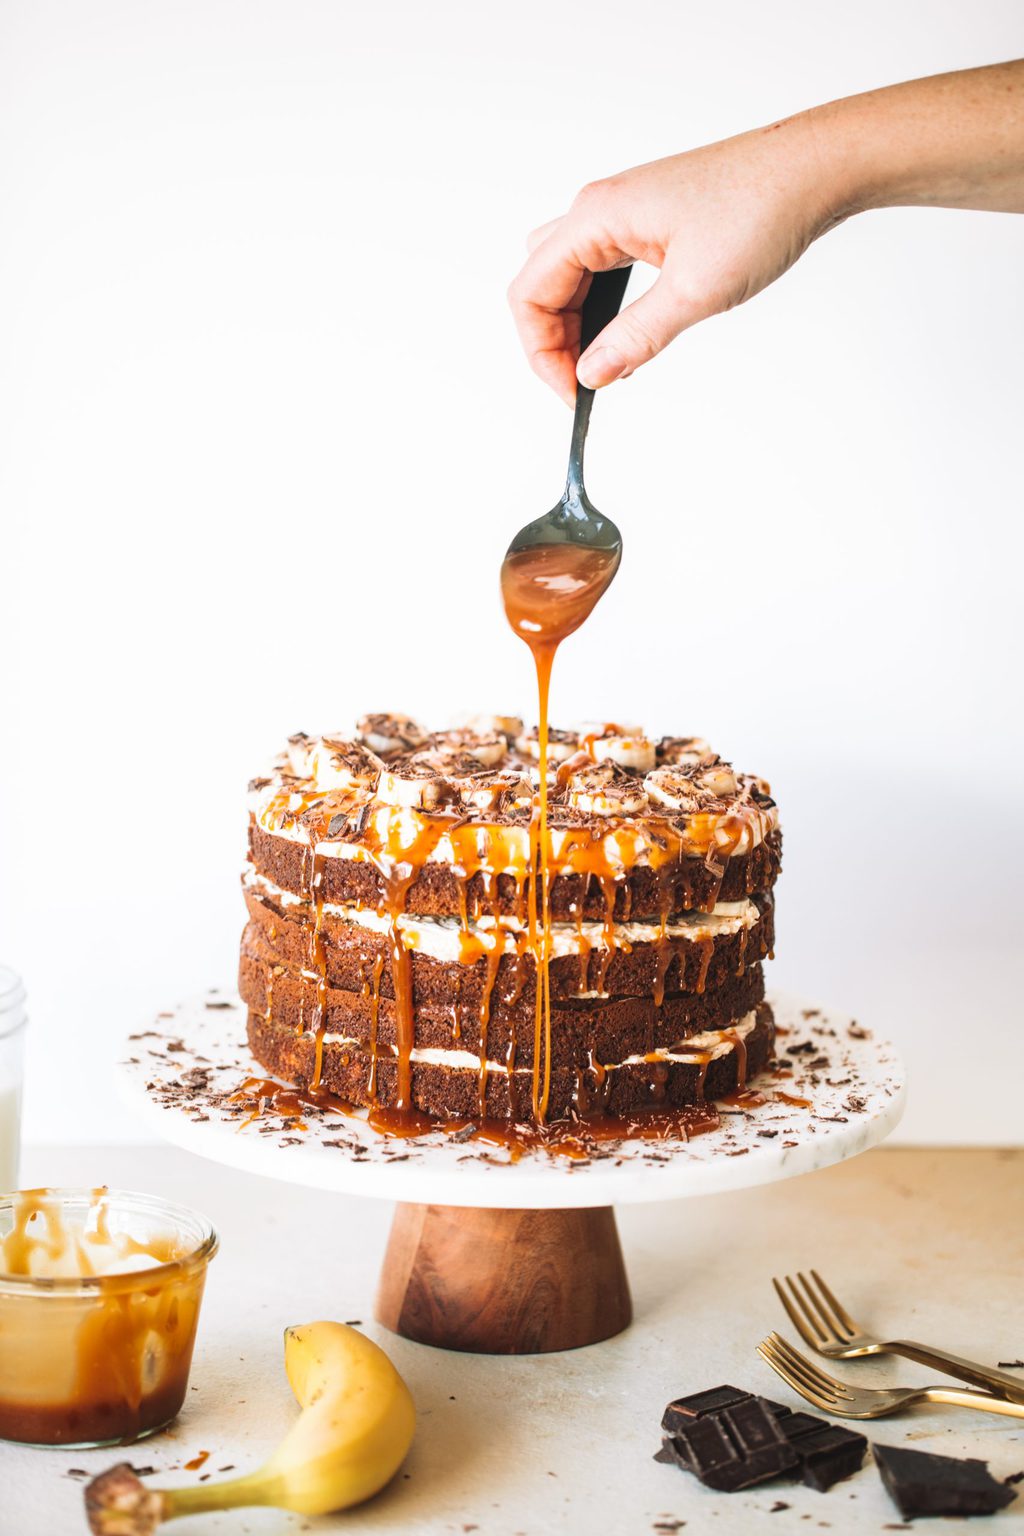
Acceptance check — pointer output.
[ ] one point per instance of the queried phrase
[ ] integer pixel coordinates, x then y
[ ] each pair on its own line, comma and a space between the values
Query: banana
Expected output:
625, 745
604, 789
388, 734
509, 726
488, 747
485, 790
561, 745
683, 751
299, 747
672, 787
354, 1431
338, 764
719, 780
415, 782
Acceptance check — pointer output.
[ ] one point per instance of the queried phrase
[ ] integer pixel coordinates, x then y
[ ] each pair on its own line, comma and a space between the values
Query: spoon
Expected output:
558, 566
555, 570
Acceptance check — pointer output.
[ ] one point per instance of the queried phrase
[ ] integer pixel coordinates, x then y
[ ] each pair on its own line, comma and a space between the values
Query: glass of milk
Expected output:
13, 1020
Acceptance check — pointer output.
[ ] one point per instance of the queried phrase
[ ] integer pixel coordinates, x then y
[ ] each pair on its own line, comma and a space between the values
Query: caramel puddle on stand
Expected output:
548, 590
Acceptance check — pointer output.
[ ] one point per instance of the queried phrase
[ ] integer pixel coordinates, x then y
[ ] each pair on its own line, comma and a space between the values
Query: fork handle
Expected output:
965, 1370
961, 1397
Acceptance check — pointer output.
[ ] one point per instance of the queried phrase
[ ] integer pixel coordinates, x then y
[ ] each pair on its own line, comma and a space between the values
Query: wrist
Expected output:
849, 170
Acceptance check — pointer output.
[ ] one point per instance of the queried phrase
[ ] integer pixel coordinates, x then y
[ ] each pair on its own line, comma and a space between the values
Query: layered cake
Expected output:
401, 950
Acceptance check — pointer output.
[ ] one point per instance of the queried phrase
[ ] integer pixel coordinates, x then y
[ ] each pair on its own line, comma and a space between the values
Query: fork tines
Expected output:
802, 1374
814, 1311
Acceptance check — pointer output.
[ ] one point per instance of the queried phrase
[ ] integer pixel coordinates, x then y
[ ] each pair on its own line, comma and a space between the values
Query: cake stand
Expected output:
493, 1255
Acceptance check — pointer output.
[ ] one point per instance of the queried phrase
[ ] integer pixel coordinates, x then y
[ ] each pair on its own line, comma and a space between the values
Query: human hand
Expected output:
721, 222
724, 221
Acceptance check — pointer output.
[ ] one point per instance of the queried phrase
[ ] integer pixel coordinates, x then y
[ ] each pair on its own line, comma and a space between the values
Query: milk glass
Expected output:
13, 1020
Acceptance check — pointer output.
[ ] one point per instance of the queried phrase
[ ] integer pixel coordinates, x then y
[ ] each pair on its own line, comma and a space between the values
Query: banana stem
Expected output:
236, 1493
118, 1504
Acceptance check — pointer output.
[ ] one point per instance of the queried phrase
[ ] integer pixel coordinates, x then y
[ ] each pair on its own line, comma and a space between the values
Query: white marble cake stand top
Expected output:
179, 1074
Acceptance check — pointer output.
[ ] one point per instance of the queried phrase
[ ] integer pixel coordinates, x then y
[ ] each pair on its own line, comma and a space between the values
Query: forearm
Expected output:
948, 141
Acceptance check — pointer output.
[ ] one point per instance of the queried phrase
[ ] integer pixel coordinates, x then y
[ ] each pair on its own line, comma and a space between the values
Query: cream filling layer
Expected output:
695, 1051
503, 849
444, 938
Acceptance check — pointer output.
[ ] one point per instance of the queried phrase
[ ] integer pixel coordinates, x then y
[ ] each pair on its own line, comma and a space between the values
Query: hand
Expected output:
723, 222
720, 222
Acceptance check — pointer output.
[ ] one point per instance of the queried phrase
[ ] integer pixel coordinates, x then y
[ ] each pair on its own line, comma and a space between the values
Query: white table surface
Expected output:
924, 1242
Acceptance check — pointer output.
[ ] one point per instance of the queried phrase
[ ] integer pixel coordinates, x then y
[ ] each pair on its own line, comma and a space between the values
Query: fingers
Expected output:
639, 333
540, 234
548, 321
546, 299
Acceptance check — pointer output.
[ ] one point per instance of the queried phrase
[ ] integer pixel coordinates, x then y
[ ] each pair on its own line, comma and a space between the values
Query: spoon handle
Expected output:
601, 305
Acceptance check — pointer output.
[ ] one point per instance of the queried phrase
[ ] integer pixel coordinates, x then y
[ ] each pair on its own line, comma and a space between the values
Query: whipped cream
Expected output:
711, 1045
443, 937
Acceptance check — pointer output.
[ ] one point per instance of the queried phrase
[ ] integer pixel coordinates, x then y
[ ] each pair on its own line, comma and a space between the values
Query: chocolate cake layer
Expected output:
608, 1029
686, 885
351, 954
454, 1092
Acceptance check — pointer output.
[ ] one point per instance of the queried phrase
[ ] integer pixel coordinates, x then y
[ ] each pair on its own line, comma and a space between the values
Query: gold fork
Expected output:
846, 1402
824, 1324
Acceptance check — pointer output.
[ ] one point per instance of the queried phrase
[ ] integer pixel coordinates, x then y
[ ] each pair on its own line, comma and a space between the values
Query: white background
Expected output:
266, 432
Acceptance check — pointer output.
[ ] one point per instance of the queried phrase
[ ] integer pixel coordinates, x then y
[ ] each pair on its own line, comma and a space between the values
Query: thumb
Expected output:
639, 333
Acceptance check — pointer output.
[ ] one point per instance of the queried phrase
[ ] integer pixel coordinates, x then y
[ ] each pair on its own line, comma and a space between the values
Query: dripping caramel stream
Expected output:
548, 591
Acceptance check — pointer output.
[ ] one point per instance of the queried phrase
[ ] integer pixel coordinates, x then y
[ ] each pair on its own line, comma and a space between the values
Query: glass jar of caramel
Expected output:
99, 1301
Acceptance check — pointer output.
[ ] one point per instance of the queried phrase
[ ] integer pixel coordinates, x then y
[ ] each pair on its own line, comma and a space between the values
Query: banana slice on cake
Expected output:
673, 788
561, 745
605, 789
684, 751
338, 764
388, 734
488, 789
299, 748
718, 780
487, 747
625, 745
509, 726
416, 783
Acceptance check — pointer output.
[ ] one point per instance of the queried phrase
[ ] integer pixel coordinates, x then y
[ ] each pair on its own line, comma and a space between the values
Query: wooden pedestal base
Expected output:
504, 1282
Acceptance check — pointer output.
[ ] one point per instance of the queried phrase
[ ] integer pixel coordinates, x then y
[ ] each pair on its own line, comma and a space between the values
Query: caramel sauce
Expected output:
572, 1139
739, 1045
548, 592
102, 1364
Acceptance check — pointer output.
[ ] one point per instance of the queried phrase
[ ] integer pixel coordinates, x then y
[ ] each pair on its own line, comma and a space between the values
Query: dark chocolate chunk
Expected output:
798, 1424
921, 1483
752, 1429
685, 1409
735, 1448
829, 1454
